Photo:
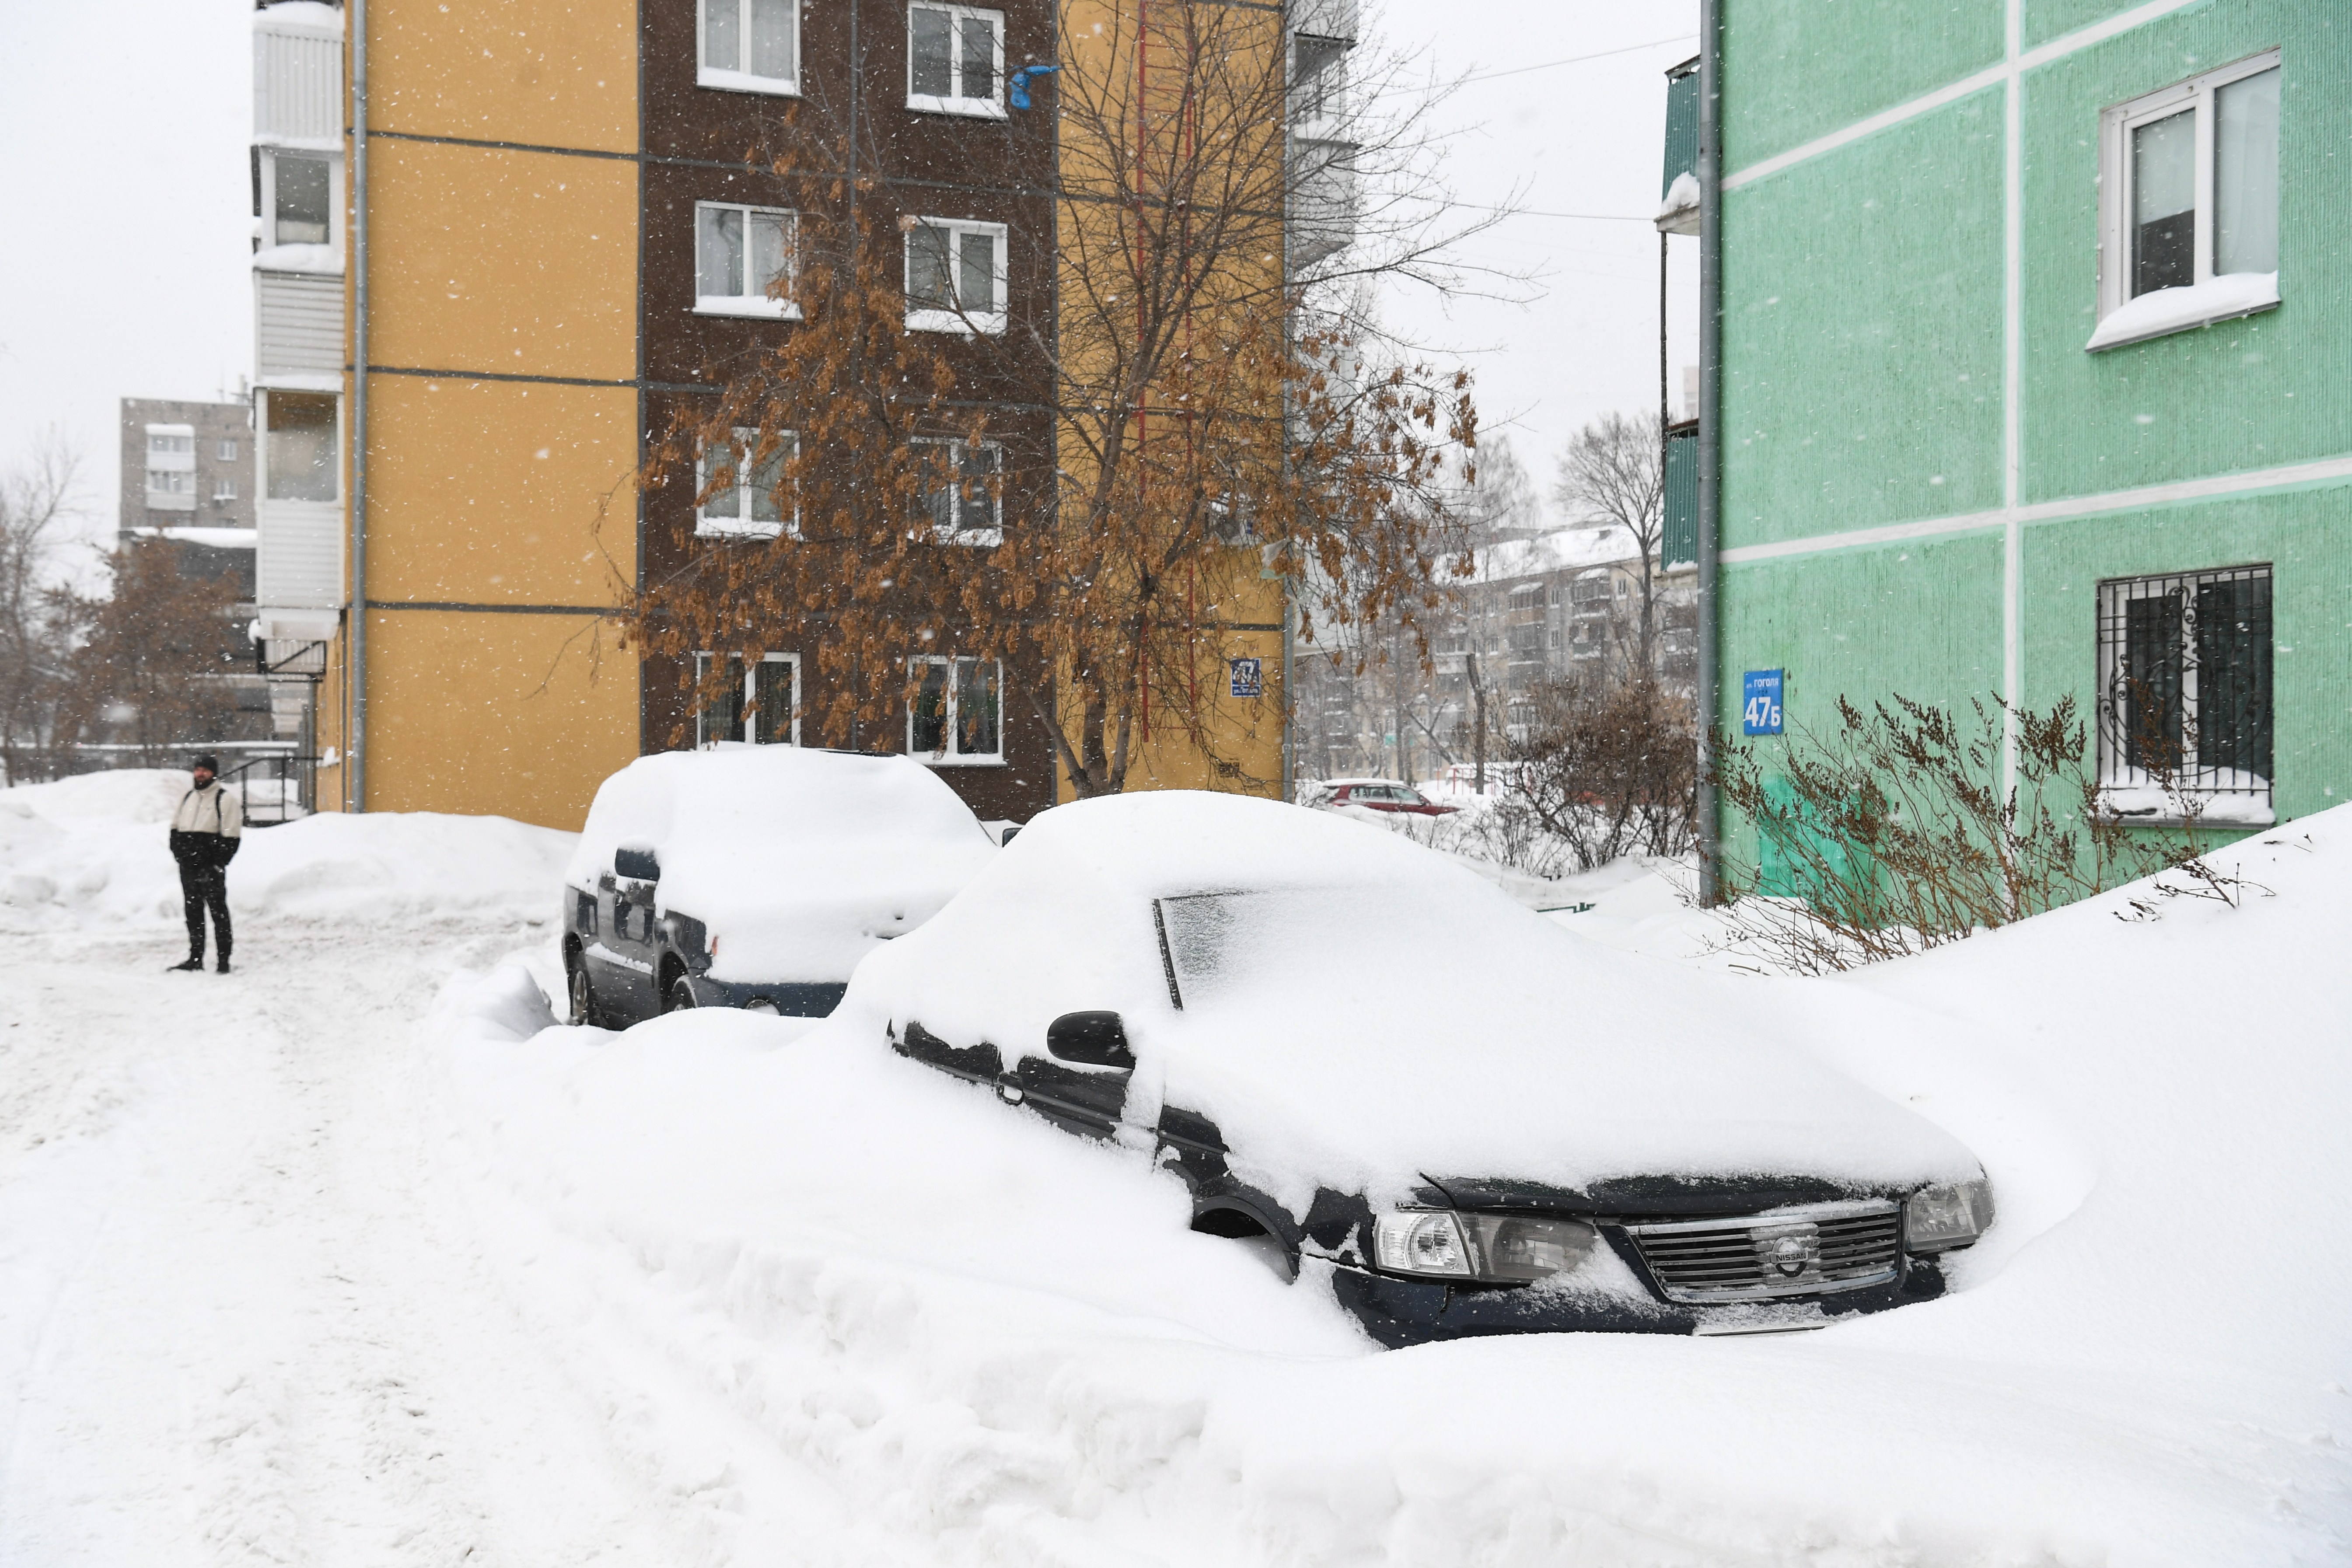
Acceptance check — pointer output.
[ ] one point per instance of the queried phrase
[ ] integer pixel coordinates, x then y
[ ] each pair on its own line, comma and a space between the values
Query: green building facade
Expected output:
2034, 376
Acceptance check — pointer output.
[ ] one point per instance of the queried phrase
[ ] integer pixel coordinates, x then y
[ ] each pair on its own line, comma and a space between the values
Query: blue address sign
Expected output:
1760, 713
1248, 676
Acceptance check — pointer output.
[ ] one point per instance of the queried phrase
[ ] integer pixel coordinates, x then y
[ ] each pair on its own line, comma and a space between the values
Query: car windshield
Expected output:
1224, 943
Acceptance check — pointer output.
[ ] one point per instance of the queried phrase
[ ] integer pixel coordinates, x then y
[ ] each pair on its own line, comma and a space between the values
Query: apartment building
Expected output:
187, 466
2031, 382
555, 241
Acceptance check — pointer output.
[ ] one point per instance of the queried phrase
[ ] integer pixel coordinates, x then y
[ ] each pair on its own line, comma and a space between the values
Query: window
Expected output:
2190, 177
745, 508
964, 491
760, 702
956, 717
301, 208
225, 451
224, 489
955, 60
2185, 694
1316, 75
740, 253
170, 441
751, 46
171, 481
955, 276
298, 443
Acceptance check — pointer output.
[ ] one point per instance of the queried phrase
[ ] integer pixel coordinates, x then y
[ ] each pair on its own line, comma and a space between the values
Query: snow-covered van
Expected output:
754, 877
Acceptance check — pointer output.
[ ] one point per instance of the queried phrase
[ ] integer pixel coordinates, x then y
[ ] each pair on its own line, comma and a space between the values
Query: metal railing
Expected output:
275, 789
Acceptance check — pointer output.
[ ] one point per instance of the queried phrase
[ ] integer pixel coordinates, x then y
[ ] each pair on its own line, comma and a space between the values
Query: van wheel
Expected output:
679, 996
1268, 1248
578, 994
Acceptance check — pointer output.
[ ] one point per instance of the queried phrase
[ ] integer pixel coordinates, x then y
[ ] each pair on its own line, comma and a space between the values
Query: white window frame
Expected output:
743, 81
757, 673
2117, 125
760, 304
989, 108
174, 481
224, 489
224, 450
950, 757
989, 534
963, 319
269, 219
740, 524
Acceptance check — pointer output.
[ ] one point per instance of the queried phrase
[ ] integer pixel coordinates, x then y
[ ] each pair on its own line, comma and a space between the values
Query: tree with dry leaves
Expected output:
1222, 436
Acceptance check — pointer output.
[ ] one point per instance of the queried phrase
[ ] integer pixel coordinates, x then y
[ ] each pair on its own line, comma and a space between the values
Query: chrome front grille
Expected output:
1792, 1252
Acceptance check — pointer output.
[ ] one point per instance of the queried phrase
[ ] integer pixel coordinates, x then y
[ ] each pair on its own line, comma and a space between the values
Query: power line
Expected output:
1579, 59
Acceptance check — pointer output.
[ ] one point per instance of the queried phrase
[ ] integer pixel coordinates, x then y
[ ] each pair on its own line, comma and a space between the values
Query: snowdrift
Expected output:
91, 852
853, 1311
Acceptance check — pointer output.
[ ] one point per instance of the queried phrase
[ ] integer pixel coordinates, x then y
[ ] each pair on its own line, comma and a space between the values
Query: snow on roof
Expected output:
299, 16
1564, 549
218, 537
801, 860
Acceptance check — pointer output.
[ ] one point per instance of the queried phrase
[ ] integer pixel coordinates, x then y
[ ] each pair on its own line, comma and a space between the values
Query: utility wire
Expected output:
1579, 59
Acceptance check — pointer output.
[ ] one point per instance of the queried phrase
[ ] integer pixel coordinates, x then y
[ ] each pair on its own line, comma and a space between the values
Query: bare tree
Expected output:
1614, 471
38, 500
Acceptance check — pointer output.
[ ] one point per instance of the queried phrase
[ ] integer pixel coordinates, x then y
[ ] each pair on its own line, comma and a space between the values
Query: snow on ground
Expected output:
354, 1257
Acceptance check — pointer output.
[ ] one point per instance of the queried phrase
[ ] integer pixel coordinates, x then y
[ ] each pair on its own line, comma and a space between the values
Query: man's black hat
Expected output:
207, 762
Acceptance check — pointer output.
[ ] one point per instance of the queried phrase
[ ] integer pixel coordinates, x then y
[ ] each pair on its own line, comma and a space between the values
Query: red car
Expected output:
1384, 794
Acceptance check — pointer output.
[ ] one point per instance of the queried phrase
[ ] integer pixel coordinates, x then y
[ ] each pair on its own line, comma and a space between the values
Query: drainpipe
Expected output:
355, 734
1710, 424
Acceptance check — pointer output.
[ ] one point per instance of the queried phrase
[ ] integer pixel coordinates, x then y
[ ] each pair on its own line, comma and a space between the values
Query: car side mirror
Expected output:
636, 864
1089, 1040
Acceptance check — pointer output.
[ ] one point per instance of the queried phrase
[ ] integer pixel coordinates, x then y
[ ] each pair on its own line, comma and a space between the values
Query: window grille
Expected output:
2184, 689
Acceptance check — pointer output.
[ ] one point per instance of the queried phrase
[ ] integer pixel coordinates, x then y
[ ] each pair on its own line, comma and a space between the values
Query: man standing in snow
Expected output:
205, 834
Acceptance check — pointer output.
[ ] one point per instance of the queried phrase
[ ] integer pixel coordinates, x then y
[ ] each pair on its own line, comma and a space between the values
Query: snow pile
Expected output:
799, 862
93, 851
846, 1310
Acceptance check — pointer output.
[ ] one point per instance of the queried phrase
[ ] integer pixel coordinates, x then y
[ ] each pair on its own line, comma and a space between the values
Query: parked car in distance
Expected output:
1383, 794
754, 877
1404, 1089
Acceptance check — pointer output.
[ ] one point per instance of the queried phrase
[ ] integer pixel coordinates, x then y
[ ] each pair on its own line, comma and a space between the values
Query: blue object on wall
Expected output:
1248, 676
1019, 86
1760, 702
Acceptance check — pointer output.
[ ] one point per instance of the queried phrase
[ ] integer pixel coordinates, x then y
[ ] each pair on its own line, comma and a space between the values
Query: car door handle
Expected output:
1009, 1092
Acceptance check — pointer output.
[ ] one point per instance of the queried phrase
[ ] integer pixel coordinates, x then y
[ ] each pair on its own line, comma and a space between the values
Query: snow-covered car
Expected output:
1364, 1060
754, 877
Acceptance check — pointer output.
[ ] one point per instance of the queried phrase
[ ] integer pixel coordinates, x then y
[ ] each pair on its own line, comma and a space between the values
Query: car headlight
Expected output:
1507, 1250
1936, 1219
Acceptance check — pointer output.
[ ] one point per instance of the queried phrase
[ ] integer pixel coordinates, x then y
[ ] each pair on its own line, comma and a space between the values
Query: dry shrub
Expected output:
1609, 768
1891, 834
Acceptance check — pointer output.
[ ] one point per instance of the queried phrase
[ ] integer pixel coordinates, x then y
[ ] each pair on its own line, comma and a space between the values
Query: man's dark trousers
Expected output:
205, 886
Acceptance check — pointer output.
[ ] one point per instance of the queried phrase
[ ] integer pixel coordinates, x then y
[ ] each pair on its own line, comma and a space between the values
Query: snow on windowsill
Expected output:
299, 17
298, 258
721, 527
744, 81
2163, 310
930, 760
990, 323
976, 107
2150, 806
1678, 214
744, 305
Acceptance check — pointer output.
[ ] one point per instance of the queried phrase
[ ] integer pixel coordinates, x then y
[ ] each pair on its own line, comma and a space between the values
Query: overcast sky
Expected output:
123, 131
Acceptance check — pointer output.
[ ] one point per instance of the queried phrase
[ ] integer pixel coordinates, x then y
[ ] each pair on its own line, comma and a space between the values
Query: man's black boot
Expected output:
195, 961
222, 966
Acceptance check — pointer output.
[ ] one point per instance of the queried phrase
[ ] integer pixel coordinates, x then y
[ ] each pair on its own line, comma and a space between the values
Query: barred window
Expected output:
2184, 690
